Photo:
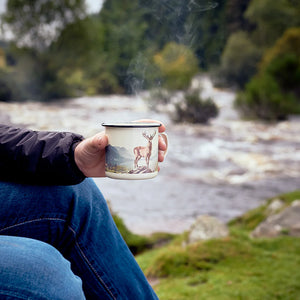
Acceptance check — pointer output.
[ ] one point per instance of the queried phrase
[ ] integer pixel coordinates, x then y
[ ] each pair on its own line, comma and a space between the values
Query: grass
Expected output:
236, 267
138, 243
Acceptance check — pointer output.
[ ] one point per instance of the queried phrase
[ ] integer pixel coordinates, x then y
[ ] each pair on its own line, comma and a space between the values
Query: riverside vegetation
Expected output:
58, 50
235, 267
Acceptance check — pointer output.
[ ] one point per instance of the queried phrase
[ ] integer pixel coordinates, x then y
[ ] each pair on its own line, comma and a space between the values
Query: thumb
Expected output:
99, 141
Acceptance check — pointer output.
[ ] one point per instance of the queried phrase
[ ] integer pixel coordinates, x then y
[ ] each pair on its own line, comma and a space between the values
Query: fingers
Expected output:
161, 156
162, 144
162, 128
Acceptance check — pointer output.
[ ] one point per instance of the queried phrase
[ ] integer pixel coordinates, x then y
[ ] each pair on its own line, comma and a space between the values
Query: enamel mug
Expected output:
132, 151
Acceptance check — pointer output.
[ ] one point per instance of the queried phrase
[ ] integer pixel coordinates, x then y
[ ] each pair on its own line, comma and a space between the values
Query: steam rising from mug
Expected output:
180, 32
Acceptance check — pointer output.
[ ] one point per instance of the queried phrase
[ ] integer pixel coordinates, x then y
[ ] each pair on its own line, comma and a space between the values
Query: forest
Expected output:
56, 50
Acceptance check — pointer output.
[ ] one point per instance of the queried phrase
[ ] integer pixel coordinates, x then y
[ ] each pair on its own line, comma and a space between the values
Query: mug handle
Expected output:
166, 140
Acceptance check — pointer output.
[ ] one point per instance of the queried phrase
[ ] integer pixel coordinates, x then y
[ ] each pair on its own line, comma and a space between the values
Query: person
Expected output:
58, 239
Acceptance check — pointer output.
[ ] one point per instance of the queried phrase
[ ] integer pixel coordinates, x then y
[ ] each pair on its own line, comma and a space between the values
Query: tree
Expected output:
37, 22
124, 29
166, 21
207, 20
234, 13
25, 76
288, 43
78, 55
282, 62
264, 99
271, 19
177, 64
274, 93
239, 61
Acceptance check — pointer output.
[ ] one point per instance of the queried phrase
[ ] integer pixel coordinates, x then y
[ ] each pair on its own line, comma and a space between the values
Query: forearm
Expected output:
38, 157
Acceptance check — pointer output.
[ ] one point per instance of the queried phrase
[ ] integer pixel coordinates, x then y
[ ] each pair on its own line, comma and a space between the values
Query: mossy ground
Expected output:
138, 243
236, 267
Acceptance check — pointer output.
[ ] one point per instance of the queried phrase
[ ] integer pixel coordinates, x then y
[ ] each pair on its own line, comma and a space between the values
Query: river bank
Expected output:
238, 266
221, 169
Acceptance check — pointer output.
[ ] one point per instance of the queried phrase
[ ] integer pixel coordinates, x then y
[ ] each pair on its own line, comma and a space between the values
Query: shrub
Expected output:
194, 109
286, 71
103, 83
273, 94
264, 99
288, 43
5, 87
177, 64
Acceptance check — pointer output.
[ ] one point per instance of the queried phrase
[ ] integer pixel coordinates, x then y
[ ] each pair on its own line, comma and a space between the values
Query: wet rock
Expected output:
286, 222
205, 228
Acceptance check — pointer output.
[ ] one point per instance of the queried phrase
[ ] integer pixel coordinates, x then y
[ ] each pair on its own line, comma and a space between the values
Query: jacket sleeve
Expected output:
38, 157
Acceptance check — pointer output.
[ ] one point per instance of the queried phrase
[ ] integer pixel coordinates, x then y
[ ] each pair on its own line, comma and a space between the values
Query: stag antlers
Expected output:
145, 152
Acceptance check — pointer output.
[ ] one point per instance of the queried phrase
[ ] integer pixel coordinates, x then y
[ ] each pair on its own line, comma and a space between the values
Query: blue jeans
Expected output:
77, 222
31, 269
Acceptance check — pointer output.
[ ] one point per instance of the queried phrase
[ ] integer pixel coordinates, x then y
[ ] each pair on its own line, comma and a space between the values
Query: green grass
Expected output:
236, 267
138, 243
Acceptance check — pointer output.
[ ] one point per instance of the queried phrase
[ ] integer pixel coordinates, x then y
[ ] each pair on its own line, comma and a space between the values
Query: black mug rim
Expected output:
131, 124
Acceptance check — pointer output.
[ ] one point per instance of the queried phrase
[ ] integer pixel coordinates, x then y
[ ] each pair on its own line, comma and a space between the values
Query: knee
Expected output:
36, 269
84, 194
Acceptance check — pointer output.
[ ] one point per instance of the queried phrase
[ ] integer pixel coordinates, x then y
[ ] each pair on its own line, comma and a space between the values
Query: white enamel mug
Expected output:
132, 151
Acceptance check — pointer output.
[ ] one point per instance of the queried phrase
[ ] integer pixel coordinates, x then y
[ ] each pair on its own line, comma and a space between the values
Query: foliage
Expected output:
29, 76
194, 109
123, 37
288, 43
236, 267
208, 32
2, 59
35, 22
234, 14
126, 46
264, 99
26, 73
166, 22
286, 71
239, 59
177, 65
274, 93
272, 19
6, 86
78, 55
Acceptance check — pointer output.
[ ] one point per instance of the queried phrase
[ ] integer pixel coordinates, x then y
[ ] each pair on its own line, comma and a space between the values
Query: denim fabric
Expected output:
31, 269
77, 222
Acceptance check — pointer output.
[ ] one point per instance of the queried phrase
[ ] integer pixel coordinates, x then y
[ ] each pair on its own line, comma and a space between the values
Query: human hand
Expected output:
89, 154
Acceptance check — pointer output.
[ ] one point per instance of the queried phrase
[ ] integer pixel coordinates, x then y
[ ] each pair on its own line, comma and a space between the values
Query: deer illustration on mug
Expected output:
145, 152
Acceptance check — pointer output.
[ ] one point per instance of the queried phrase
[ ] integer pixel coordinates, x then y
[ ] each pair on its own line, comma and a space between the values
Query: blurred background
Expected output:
224, 76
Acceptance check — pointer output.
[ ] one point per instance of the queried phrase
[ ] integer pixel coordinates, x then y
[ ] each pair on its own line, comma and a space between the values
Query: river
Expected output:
221, 169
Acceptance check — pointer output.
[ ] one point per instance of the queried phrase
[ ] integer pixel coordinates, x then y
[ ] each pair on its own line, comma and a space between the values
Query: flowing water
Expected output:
221, 169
